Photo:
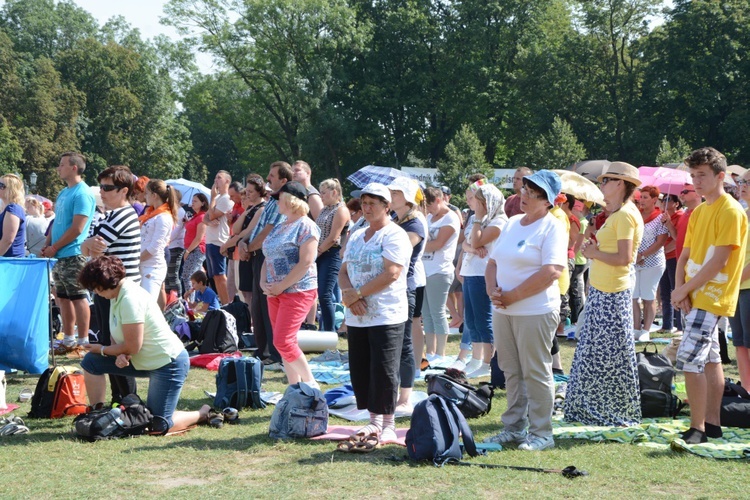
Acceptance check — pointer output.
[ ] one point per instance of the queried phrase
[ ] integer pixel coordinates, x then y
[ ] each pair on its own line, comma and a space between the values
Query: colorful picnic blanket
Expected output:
660, 434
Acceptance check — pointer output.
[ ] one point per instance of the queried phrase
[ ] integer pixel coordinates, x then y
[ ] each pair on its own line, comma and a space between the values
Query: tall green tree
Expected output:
612, 70
130, 115
283, 51
696, 83
464, 155
672, 154
45, 27
557, 149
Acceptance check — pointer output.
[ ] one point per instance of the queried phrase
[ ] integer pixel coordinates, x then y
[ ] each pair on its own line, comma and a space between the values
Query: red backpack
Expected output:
61, 391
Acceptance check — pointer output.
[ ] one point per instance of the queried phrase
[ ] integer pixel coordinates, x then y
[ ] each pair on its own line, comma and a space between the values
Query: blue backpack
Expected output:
434, 432
301, 413
238, 383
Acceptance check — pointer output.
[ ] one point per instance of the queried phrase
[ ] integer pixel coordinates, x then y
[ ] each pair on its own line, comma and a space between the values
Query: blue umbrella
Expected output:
372, 173
189, 189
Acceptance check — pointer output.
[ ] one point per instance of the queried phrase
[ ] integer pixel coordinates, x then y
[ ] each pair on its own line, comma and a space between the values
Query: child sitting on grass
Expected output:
205, 298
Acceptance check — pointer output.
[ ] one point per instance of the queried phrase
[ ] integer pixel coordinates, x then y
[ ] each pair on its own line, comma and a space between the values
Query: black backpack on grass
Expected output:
436, 431
218, 333
655, 376
131, 418
735, 406
472, 401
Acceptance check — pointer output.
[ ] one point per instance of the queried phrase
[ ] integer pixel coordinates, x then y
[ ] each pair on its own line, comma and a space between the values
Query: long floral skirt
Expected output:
603, 386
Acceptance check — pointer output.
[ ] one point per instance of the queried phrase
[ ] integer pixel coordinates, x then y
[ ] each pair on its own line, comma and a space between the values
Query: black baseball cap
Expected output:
294, 188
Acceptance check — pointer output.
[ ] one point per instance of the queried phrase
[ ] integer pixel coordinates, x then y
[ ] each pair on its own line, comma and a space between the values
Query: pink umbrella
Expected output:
668, 180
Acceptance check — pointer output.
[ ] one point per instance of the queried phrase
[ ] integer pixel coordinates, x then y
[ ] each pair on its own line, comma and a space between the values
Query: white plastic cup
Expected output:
3, 384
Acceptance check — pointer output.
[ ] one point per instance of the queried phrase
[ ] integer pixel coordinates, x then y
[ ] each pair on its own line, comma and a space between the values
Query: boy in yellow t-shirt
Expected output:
706, 288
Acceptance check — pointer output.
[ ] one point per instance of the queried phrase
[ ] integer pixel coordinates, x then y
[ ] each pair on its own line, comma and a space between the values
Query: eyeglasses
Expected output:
2, 185
531, 194
108, 187
742, 182
686, 191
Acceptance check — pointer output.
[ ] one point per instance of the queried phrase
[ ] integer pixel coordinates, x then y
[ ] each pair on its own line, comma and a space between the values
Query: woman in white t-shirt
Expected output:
157, 222
443, 227
373, 287
526, 261
488, 221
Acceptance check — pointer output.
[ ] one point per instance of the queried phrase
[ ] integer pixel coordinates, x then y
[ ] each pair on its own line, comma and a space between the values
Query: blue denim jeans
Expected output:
164, 384
329, 264
477, 310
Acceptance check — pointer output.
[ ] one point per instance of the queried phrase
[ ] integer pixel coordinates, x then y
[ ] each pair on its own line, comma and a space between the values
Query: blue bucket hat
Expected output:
547, 181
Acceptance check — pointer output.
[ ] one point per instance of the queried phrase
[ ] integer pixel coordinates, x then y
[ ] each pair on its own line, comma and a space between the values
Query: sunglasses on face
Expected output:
686, 191
108, 187
606, 180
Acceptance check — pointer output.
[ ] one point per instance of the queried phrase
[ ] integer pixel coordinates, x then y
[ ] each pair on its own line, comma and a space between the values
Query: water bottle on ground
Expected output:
115, 422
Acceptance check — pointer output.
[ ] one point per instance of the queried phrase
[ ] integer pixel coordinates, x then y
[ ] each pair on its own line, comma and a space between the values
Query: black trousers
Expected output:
374, 358
121, 385
407, 368
259, 314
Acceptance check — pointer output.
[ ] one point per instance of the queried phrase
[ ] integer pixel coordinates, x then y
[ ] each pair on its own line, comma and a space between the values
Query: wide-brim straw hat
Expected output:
622, 170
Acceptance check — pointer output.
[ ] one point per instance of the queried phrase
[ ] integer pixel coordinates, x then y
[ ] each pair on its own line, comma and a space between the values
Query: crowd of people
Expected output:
511, 274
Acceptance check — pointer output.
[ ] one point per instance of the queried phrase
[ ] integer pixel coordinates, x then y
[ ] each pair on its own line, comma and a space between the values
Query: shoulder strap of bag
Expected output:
256, 367
468, 436
741, 391
441, 406
241, 381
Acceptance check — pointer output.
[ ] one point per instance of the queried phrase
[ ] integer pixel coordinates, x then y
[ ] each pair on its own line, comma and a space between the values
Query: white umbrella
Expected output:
189, 189
577, 185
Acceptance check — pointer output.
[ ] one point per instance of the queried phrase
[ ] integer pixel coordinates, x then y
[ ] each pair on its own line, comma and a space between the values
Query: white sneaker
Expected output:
459, 364
482, 371
537, 443
473, 365
644, 336
71, 341
431, 357
506, 437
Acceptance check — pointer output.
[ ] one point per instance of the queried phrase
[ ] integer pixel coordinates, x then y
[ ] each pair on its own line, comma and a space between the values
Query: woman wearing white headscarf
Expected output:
488, 221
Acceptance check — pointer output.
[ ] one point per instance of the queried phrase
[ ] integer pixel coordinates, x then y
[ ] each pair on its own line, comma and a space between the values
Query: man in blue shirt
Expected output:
279, 174
74, 209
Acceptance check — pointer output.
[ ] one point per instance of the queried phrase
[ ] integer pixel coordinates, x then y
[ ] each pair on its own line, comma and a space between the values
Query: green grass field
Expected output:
240, 461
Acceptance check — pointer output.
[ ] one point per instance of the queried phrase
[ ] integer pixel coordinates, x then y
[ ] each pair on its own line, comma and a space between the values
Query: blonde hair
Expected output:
14, 191
36, 204
332, 185
296, 205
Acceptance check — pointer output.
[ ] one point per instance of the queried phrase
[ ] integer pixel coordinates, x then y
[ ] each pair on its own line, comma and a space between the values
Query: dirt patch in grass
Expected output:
178, 482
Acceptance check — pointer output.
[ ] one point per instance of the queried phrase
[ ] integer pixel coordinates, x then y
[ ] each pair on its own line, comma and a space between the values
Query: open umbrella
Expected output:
372, 173
668, 180
189, 189
591, 169
577, 185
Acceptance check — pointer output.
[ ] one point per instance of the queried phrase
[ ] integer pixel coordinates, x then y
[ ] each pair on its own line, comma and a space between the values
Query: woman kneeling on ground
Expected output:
142, 346
373, 287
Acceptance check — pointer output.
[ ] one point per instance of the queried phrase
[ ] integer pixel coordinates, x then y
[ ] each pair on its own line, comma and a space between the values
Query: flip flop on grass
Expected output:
366, 444
346, 446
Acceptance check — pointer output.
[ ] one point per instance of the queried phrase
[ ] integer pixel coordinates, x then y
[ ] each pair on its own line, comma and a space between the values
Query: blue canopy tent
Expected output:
25, 314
